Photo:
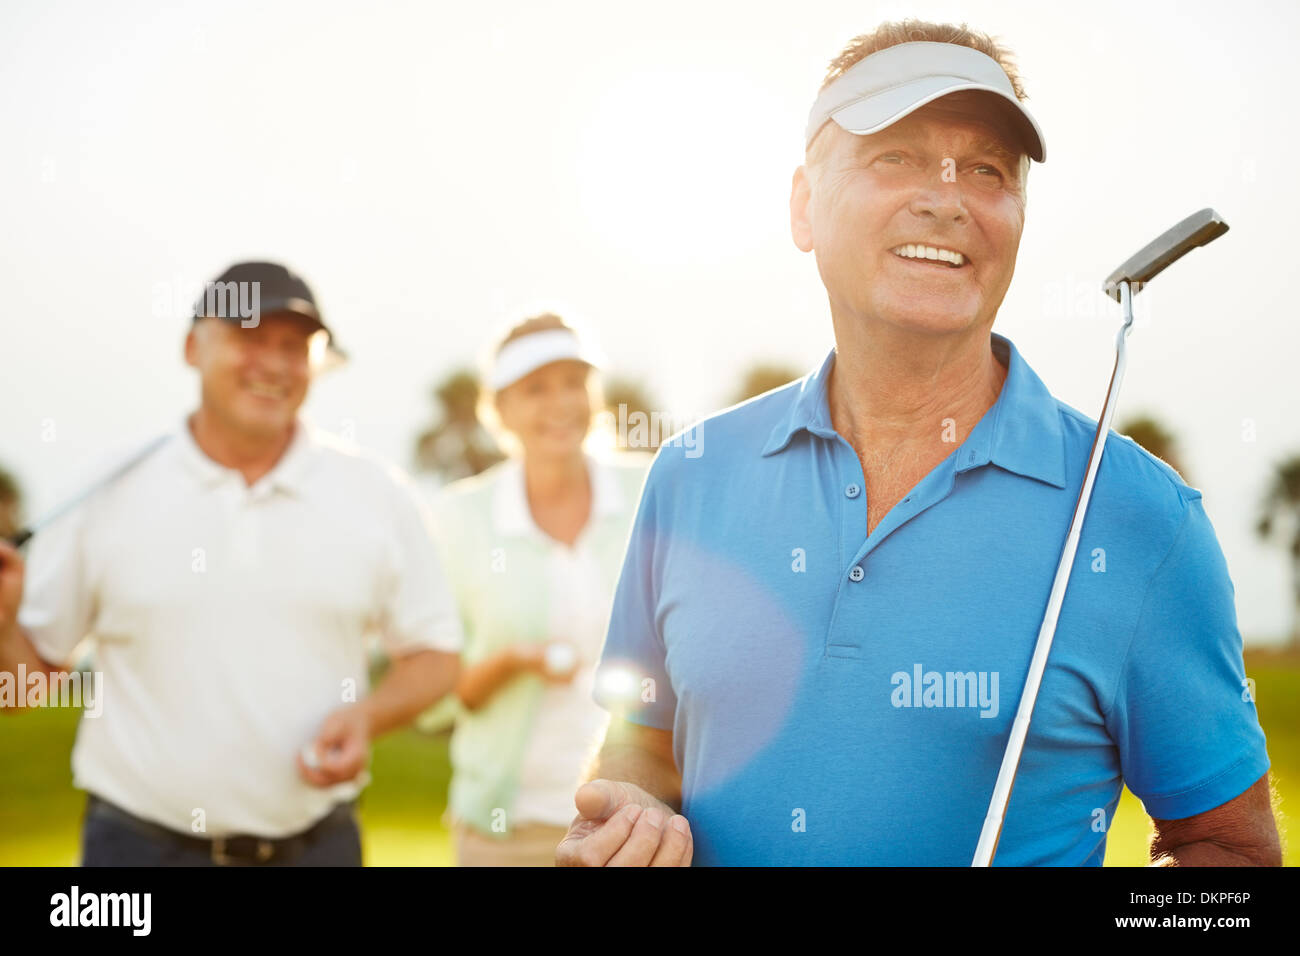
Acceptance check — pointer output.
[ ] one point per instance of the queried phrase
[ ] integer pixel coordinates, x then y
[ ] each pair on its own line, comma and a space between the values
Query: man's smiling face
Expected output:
949, 177
255, 379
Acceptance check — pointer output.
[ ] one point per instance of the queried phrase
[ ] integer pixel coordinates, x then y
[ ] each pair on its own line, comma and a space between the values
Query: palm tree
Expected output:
457, 445
763, 378
1155, 438
625, 401
1282, 505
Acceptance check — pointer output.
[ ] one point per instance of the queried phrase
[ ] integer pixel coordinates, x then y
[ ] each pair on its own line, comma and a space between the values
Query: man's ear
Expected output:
800, 200
192, 346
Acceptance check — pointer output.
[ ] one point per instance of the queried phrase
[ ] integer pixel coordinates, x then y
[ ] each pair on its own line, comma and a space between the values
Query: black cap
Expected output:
277, 291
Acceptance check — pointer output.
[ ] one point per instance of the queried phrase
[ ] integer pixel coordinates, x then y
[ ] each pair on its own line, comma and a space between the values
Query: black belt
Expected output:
228, 850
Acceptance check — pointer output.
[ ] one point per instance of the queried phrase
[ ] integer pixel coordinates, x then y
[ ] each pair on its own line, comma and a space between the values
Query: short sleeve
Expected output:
58, 607
1184, 715
420, 611
632, 679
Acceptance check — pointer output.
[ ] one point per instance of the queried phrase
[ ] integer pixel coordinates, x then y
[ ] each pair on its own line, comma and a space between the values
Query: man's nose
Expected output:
941, 200
274, 361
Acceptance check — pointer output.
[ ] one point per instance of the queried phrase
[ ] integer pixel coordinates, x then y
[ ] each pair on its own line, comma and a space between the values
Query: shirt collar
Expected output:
1022, 431
287, 475
810, 409
512, 516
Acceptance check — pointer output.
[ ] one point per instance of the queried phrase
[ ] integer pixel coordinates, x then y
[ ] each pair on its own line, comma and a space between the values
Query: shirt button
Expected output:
852, 491
857, 574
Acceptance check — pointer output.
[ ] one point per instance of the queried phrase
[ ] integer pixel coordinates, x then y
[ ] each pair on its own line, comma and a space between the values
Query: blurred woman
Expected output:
534, 546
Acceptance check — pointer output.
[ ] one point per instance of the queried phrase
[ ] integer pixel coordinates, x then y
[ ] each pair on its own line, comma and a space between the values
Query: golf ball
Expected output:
309, 757
560, 658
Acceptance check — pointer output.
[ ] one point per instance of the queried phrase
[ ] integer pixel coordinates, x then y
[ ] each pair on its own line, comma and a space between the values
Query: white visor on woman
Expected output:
881, 89
530, 352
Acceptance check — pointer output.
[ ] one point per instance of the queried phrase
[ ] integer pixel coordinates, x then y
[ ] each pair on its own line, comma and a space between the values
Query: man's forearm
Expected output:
17, 651
1240, 832
1207, 853
412, 685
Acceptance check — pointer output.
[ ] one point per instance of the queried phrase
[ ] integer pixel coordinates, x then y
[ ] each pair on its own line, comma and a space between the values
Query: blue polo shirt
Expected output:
839, 698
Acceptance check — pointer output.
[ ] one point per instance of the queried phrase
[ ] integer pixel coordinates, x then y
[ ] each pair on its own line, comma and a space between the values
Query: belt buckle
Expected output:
262, 852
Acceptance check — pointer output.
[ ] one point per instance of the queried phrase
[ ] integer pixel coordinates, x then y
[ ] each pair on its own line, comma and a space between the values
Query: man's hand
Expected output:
341, 749
11, 587
16, 648
619, 824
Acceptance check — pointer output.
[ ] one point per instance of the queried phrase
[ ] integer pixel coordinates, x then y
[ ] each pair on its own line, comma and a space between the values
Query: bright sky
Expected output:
436, 170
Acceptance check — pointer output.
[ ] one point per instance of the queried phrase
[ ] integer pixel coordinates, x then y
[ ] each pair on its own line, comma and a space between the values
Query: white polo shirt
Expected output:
568, 724
521, 752
230, 620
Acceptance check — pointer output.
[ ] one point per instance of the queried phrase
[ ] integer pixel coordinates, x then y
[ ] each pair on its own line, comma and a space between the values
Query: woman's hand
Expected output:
555, 662
478, 682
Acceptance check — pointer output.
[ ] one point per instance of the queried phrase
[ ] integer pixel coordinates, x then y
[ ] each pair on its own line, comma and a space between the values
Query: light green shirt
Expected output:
495, 557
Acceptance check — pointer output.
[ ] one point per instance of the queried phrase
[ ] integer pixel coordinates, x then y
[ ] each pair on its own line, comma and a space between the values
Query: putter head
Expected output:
1198, 229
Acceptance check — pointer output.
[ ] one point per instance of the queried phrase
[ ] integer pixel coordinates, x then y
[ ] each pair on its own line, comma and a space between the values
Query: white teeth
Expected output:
912, 251
270, 391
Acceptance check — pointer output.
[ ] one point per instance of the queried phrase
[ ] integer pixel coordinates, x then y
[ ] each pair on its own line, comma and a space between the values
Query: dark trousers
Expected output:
111, 837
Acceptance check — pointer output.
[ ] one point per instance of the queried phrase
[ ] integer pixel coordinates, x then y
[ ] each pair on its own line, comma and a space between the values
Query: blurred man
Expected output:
825, 622
230, 579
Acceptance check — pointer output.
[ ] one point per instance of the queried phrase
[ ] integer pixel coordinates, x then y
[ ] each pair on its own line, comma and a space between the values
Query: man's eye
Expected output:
991, 169
891, 158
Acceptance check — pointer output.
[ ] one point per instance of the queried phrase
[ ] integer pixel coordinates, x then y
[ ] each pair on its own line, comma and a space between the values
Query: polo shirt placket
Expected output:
855, 547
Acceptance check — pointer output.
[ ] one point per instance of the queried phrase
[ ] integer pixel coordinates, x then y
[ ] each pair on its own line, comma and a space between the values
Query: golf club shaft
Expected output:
992, 830
26, 534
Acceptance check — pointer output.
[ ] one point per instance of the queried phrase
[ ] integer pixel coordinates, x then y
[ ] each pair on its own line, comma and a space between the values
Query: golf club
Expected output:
26, 534
1198, 229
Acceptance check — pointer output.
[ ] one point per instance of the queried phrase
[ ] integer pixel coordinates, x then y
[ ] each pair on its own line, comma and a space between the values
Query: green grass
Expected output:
40, 812
401, 812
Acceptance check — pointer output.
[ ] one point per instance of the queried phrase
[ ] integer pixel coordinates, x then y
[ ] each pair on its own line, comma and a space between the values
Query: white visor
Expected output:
530, 352
881, 89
